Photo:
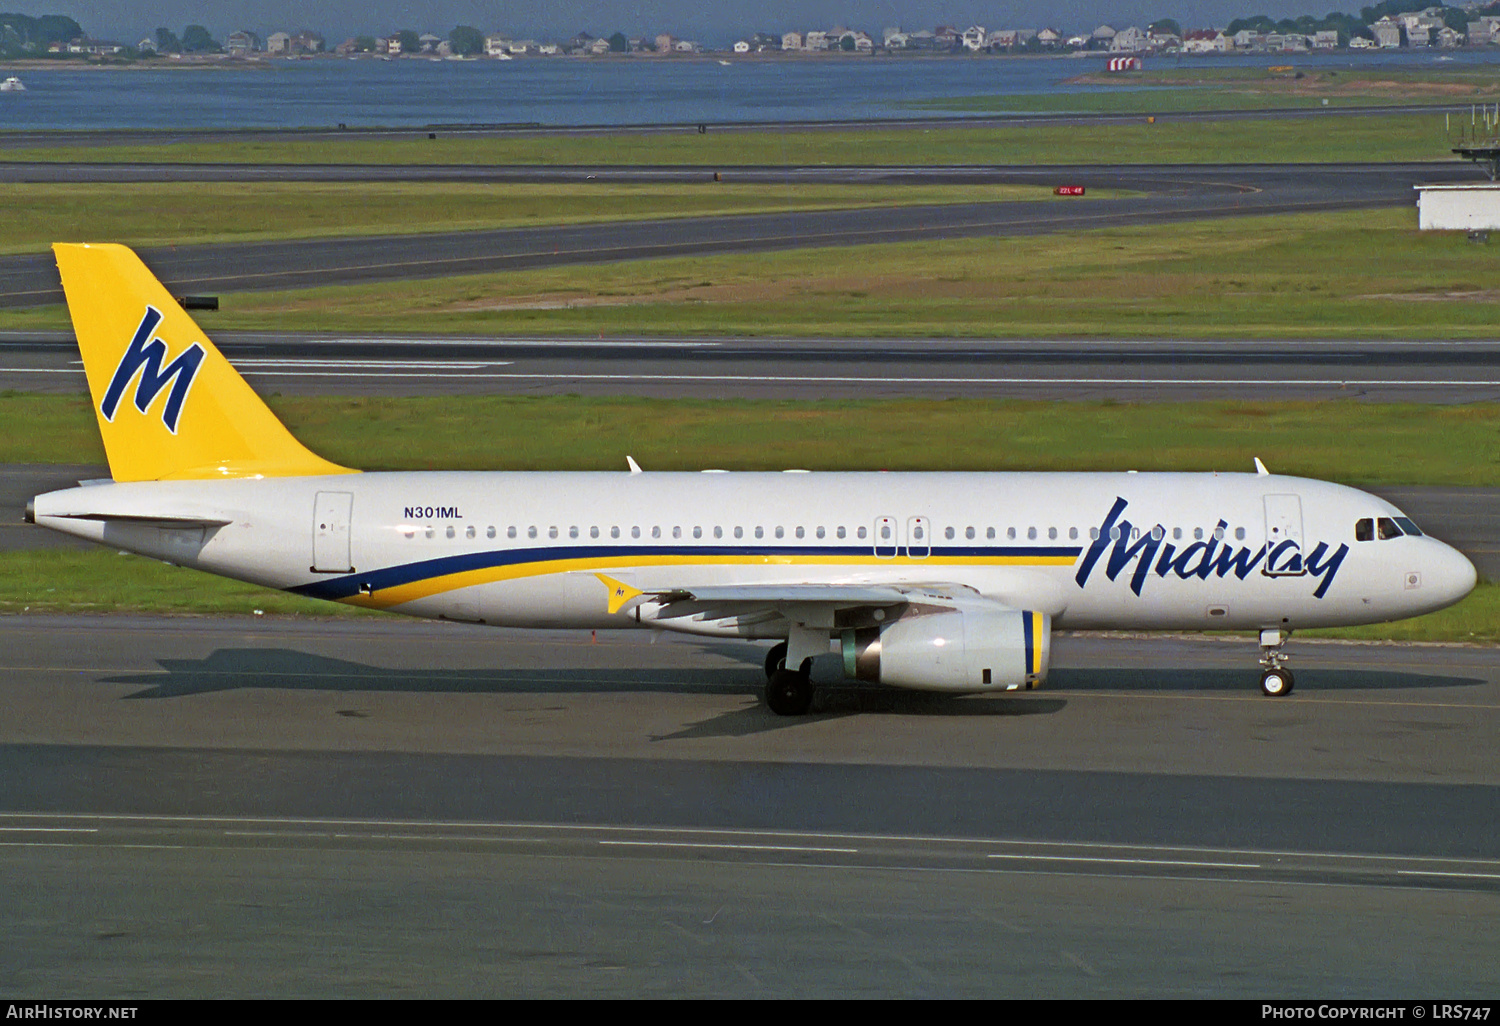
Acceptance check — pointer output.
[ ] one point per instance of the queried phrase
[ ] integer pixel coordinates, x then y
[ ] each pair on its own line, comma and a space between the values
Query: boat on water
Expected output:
12, 85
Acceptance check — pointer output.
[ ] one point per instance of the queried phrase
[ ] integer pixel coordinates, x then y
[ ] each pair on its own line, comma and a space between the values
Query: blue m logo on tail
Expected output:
145, 356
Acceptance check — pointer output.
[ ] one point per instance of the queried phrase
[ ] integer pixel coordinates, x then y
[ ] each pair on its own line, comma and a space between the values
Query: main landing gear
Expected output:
788, 692
1276, 681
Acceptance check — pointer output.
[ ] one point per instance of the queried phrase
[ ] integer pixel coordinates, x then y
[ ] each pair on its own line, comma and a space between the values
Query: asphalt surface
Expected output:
1173, 193
801, 368
386, 808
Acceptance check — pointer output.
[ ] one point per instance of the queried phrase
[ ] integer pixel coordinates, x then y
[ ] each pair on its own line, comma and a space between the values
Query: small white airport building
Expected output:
1470, 207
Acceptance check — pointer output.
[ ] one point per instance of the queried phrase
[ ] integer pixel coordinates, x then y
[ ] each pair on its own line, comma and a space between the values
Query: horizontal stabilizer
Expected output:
166, 522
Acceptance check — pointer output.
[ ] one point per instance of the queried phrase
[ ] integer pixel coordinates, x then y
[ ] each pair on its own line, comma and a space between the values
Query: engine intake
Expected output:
956, 650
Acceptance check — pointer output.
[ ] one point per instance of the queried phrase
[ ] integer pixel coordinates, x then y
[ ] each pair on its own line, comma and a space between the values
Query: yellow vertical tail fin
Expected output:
169, 405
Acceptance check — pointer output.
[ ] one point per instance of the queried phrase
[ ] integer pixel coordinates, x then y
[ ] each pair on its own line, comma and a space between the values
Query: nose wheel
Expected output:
1277, 680
1276, 683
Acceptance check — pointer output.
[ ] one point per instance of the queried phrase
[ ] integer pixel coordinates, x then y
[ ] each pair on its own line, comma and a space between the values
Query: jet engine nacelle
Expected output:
954, 650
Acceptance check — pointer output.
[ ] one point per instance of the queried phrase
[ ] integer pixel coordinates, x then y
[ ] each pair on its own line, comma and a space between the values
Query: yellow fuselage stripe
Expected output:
385, 598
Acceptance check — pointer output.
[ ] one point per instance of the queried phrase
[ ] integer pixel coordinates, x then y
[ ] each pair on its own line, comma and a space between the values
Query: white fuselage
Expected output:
1093, 550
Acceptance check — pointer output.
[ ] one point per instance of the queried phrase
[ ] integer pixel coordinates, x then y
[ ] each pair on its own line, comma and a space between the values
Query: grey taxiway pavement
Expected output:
242, 806
810, 368
1169, 193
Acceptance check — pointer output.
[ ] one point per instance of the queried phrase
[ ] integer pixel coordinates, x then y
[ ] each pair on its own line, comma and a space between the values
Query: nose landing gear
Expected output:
1276, 681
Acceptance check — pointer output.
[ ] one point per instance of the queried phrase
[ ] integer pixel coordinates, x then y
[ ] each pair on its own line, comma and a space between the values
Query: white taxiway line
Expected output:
1040, 857
336, 369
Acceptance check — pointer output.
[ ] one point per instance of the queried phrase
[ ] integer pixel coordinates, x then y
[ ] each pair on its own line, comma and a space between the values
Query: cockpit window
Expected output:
1364, 530
1407, 527
1386, 527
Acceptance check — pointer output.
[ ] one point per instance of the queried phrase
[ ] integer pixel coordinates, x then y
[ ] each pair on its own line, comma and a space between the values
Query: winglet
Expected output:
635, 468
1260, 468
619, 592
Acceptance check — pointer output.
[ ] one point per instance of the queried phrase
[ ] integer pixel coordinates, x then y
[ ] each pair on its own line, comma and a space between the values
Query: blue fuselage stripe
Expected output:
406, 573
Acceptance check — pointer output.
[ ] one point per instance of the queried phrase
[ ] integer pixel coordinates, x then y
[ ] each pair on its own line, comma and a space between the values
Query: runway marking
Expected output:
732, 847
338, 364
1042, 857
1433, 872
867, 839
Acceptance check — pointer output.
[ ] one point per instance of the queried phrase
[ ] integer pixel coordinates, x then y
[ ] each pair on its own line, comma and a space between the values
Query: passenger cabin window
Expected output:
510, 532
451, 531
594, 531
552, 532
489, 532
946, 534
861, 532
470, 532
614, 532
989, 533
739, 532
635, 532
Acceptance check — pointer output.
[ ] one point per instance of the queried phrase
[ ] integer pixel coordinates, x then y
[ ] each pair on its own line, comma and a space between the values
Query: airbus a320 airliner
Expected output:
937, 581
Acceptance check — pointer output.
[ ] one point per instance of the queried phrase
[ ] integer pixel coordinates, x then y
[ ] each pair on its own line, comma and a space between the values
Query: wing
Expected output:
830, 606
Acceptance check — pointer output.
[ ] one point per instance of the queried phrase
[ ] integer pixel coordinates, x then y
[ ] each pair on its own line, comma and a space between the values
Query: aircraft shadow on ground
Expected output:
286, 669
1309, 679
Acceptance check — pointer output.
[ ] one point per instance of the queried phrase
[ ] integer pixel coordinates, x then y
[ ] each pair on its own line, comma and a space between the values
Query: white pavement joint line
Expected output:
733, 847
1042, 857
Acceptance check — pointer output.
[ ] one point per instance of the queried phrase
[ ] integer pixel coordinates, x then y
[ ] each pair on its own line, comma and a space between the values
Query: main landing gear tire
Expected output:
789, 693
1277, 683
775, 659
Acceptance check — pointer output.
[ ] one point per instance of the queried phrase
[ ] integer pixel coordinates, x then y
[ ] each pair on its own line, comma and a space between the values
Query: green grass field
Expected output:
1347, 274
1402, 137
202, 212
1363, 444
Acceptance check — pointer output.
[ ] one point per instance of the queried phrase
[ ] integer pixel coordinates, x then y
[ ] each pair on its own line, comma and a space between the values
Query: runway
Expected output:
384, 808
1171, 193
809, 368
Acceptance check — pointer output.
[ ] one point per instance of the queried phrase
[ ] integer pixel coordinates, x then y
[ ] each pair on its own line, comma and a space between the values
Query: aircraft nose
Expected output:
1453, 575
